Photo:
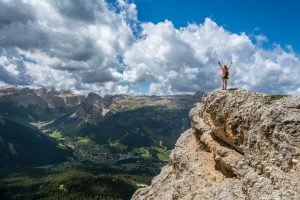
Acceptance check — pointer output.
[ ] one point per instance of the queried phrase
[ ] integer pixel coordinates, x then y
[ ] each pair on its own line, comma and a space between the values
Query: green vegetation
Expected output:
271, 98
57, 135
83, 141
62, 188
116, 144
74, 152
30, 184
27, 147
128, 149
152, 153
144, 153
142, 127
163, 153
62, 146
78, 180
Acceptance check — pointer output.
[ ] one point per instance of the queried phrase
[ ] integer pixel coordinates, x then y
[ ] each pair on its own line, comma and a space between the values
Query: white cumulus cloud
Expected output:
96, 46
185, 60
64, 44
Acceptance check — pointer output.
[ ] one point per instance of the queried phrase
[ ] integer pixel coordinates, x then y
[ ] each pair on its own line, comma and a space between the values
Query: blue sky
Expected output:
150, 46
278, 20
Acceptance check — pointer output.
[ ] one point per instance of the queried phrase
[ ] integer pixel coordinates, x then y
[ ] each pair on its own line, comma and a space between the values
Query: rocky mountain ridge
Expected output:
41, 97
242, 145
141, 127
53, 99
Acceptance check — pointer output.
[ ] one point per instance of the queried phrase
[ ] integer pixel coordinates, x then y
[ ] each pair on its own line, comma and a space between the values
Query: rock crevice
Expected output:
241, 145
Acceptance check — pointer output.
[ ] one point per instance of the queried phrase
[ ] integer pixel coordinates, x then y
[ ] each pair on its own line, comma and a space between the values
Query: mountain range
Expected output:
90, 127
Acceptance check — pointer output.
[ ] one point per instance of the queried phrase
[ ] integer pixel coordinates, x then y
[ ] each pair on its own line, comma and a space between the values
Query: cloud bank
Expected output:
96, 46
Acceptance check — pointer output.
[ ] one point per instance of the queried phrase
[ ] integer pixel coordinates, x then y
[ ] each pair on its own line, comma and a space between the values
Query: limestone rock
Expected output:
242, 145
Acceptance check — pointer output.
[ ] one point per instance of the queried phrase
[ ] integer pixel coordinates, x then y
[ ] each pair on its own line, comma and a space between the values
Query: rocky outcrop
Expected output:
242, 145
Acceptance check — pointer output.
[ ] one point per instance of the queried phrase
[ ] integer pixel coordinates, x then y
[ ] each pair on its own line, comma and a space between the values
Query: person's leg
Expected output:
223, 84
225, 87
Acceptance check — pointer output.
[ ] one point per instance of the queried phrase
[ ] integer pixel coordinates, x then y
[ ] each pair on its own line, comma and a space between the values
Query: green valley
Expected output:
61, 144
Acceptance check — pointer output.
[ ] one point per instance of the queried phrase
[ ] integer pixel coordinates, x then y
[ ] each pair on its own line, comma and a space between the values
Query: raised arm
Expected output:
220, 64
230, 65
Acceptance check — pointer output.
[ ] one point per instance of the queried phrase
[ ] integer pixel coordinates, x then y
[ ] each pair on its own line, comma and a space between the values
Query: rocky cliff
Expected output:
242, 145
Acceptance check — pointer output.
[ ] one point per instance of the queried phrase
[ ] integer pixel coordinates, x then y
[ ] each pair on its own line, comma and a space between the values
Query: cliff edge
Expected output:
242, 145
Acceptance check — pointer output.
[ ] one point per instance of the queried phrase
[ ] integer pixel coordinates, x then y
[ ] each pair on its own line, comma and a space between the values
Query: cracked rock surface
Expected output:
242, 145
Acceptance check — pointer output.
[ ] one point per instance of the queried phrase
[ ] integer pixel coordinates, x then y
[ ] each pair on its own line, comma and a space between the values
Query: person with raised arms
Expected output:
225, 74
